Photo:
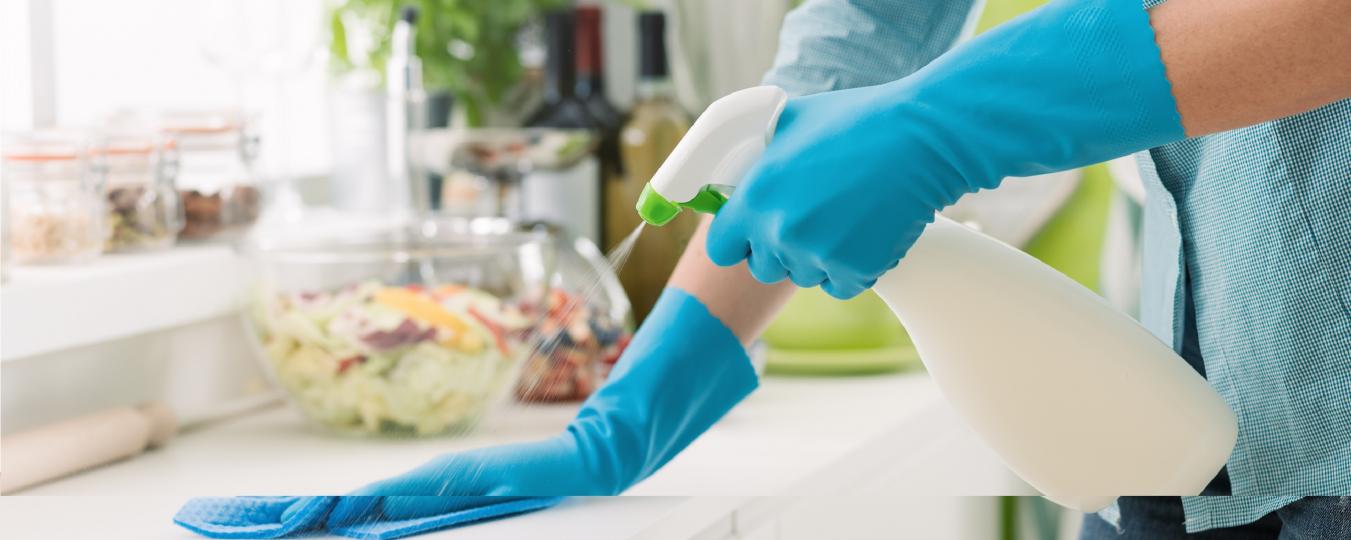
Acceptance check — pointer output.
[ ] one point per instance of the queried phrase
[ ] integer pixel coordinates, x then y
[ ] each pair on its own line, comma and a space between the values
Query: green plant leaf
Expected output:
488, 27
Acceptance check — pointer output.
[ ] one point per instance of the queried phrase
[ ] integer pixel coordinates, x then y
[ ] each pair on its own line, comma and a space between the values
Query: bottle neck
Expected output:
560, 71
556, 88
559, 78
587, 49
650, 88
590, 85
654, 74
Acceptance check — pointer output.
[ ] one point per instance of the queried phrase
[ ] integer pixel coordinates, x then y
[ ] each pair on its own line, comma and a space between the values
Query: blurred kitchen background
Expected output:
211, 206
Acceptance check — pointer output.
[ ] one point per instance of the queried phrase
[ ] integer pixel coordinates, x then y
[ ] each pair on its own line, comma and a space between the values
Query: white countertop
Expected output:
795, 436
599, 518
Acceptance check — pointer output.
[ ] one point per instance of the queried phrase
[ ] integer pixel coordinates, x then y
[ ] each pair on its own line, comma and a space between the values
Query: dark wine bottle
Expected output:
570, 198
590, 87
561, 107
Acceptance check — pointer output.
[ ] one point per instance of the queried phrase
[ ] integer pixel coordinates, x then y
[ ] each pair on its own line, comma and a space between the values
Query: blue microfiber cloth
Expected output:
280, 517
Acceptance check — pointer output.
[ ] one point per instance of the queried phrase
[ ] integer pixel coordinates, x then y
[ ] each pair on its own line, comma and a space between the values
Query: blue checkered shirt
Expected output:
1252, 226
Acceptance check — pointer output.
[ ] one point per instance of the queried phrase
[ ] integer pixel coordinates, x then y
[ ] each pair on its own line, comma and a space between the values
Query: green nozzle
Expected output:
655, 209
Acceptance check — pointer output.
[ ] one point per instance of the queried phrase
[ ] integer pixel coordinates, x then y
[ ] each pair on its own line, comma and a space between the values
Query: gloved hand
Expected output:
282, 517
851, 178
683, 370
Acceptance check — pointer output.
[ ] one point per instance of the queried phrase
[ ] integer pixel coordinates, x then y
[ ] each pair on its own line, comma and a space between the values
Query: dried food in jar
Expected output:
202, 214
54, 196
140, 218
39, 235
210, 214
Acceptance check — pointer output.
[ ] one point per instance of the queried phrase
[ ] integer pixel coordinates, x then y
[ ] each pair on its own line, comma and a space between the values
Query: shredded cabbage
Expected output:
381, 359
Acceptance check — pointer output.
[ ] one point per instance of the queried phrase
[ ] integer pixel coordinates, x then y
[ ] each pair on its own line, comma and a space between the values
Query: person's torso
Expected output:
1257, 223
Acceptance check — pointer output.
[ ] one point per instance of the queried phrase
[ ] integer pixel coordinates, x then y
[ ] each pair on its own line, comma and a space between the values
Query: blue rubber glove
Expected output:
283, 517
852, 177
683, 370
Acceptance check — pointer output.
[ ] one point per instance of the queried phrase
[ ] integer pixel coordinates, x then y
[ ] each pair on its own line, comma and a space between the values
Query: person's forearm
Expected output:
731, 294
1234, 63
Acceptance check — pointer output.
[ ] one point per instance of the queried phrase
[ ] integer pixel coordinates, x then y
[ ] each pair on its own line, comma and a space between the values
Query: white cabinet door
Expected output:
866, 518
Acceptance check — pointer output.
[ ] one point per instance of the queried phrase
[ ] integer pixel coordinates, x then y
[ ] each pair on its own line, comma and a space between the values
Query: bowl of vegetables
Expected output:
412, 330
584, 327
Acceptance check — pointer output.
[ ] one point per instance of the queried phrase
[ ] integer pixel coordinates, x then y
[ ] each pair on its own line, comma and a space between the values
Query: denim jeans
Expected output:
1160, 518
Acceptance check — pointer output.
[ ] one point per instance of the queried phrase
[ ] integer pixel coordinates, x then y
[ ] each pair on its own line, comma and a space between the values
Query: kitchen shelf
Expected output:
49, 309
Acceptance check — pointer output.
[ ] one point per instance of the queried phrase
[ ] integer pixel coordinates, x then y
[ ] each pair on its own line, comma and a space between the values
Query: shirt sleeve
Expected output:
835, 44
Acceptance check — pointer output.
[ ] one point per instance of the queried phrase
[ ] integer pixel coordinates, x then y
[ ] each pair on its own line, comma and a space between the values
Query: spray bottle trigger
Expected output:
707, 201
658, 210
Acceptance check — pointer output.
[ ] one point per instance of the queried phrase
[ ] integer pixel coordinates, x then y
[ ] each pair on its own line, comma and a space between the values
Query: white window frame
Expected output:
29, 102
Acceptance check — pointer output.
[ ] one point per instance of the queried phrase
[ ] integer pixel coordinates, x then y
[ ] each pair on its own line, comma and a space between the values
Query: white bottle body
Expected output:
1077, 398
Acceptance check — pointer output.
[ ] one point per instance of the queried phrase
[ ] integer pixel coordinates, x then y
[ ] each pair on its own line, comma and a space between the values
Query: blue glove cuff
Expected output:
682, 372
1073, 83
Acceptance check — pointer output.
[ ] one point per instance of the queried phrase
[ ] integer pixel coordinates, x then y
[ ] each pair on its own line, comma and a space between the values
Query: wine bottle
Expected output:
590, 87
655, 125
561, 107
570, 198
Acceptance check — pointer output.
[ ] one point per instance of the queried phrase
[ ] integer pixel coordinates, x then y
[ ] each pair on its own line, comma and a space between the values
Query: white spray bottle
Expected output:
1076, 397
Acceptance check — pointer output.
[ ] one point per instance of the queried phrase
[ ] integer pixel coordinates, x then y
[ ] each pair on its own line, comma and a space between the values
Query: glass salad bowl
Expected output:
584, 327
409, 331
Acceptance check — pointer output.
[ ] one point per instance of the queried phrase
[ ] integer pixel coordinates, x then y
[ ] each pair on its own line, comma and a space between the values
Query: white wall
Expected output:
15, 50
263, 56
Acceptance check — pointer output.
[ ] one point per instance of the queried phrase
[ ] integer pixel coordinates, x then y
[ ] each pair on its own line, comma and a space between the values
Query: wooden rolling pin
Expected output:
70, 446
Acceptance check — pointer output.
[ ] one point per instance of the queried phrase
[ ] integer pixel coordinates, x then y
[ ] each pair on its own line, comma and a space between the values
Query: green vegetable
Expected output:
468, 47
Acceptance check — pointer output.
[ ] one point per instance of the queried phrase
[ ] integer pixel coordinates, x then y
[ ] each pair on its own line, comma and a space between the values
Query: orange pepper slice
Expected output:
421, 308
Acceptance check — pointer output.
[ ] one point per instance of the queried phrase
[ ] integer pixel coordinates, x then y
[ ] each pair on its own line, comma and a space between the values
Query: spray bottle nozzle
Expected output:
714, 155
658, 210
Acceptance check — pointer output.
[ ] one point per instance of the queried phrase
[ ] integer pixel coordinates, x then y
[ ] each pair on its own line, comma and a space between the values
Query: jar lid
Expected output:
205, 130
134, 145
205, 123
200, 129
40, 156
51, 155
45, 146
